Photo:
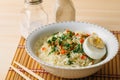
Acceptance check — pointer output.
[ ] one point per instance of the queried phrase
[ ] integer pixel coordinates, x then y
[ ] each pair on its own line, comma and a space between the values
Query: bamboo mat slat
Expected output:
110, 71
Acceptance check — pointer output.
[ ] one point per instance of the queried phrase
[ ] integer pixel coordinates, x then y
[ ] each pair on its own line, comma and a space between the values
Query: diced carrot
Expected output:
63, 51
81, 40
43, 48
83, 57
67, 30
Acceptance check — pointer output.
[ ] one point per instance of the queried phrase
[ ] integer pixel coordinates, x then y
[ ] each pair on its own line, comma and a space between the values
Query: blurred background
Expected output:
102, 12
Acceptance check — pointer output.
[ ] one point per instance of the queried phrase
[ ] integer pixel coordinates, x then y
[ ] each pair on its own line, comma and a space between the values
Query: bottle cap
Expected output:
33, 2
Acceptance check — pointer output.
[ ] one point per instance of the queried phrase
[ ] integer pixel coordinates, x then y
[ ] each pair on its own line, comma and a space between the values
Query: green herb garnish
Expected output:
68, 55
53, 49
70, 62
63, 37
67, 46
81, 48
90, 59
54, 38
70, 33
77, 49
49, 41
59, 41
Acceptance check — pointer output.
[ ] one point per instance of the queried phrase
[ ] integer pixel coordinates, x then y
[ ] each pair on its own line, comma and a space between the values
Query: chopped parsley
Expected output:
78, 49
90, 59
59, 41
70, 62
70, 33
63, 37
55, 33
54, 38
53, 49
49, 41
81, 48
67, 46
64, 41
68, 55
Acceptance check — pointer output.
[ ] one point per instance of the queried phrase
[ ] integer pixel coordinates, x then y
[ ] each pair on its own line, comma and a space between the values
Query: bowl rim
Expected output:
29, 52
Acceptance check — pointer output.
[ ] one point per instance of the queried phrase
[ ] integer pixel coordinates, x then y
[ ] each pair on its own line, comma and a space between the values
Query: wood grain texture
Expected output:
109, 71
102, 12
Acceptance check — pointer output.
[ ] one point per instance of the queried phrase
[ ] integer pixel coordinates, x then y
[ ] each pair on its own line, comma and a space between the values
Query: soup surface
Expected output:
66, 49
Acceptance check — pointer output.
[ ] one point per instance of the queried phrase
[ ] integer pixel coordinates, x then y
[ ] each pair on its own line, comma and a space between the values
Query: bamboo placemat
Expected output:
110, 71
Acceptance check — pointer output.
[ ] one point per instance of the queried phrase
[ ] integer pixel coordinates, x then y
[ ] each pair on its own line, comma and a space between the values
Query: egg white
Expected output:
93, 52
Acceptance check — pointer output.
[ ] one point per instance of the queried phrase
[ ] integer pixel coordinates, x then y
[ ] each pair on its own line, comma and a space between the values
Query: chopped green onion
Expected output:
70, 62
54, 38
53, 49
63, 37
59, 41
68, 55
77, 48
49, 41
50, 53
90, 59
70, 33
81, 48
67, 46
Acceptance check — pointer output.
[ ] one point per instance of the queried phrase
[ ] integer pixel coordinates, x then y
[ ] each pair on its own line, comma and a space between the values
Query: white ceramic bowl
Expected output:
40, 33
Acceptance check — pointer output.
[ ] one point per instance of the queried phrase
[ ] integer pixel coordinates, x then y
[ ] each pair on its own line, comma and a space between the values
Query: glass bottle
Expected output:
34, 16
65, 11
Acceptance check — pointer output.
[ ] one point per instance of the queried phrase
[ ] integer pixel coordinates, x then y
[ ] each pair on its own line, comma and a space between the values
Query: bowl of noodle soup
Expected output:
59, 50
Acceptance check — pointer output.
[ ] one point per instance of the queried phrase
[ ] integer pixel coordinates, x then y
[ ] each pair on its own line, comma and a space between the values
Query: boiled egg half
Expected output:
94, 47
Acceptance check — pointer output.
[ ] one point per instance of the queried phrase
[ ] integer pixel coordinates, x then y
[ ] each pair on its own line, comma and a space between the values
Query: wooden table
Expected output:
102, 12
